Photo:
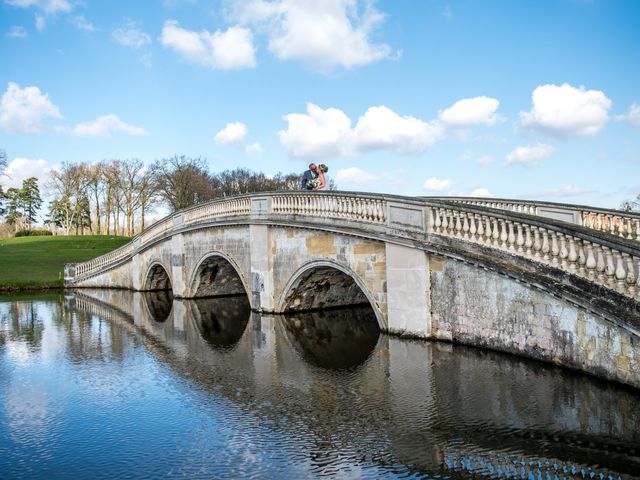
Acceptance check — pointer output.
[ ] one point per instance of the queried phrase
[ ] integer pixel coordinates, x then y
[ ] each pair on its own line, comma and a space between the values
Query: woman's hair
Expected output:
323, 167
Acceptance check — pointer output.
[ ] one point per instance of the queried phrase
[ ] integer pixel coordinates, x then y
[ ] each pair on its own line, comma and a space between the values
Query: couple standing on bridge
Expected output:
315, 178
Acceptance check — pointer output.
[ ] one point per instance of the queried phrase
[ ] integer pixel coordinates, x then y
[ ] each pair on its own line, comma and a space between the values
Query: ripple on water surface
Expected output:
206, 389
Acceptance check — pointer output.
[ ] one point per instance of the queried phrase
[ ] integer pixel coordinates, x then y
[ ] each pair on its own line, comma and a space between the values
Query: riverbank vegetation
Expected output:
32, 263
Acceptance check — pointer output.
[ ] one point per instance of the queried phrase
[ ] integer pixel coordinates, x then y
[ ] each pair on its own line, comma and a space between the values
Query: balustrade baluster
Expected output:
528, 240
621, 272
511, 236
545, 244
458, 232
555, 248
504, 236
445, 223
472, 226
479, 229
564, 251
610, 268
519, 238
630, 279
496, 233
437, 224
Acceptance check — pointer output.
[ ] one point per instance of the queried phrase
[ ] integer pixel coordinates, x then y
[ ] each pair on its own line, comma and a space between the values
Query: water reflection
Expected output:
410, 408
159, 303
221, 321
339, 338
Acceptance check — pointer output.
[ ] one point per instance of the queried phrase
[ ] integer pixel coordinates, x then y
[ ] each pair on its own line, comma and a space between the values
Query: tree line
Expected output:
115, 197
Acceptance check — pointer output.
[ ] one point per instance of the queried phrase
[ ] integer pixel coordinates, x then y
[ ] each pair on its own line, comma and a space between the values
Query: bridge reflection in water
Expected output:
325, 394
354, 396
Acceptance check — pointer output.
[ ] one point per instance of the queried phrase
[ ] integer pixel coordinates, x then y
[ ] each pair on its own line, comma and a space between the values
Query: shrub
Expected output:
33, 233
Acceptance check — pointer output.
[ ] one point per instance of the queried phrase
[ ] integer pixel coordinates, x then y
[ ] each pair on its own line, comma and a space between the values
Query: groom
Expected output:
309, 175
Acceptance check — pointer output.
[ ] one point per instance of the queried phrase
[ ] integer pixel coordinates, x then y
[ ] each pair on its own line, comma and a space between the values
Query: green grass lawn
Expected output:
37, 262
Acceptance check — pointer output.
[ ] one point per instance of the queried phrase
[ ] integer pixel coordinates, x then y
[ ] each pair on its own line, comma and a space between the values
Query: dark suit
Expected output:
306, 176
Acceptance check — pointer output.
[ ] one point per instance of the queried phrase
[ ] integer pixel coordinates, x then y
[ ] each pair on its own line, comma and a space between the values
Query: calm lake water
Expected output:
112, 384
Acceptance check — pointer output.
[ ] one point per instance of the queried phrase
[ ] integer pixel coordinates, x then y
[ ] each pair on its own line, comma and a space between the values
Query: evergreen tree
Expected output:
14, 208
31, 200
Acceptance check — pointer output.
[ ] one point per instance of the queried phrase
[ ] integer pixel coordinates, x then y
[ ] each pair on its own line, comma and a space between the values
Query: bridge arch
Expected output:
157, 277
340, 287
217, 274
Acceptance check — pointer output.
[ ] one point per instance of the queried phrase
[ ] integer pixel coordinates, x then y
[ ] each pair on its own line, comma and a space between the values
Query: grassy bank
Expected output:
32, 263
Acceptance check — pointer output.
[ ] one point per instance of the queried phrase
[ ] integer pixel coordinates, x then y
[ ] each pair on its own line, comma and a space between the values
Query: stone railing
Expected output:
597, 256
615, 222
354, 208
601, 259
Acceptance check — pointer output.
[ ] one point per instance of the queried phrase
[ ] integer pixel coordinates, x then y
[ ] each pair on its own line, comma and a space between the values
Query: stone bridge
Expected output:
554, 282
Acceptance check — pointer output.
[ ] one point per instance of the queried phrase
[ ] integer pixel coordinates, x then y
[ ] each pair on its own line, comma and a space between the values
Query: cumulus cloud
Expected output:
16, 31
228, 50
566, 110
105, 126
634, 115
20, 169
131, 36
470, 112
23, 110
47, 6
233, 134
83, 24
438, 184
323, 35
481, 192
529, 155
322, 133
355, 176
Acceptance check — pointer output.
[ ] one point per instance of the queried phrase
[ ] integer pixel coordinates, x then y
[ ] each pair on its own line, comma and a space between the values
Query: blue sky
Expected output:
526, 99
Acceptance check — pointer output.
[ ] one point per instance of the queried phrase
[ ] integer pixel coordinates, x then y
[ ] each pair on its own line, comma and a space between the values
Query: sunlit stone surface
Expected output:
116, 384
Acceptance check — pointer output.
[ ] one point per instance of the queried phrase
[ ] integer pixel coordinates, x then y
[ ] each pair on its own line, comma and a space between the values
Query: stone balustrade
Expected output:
615, 222
604, 257
597, 259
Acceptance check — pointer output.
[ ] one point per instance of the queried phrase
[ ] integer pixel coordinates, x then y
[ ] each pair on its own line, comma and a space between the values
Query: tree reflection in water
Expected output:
335, 339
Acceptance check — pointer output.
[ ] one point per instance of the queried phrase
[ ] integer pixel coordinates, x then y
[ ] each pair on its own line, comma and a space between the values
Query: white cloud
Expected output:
438, 185
20, 169
322, 34
83, 24
567, 191
529, 155
131, 36
22, 110
253, 148
381, 128
484, 160
634, 115
228, 50
16, 31
106, 125
354, 175
481, 192
47, 6
470, 112
40, 22
565, 110
322, 133
233, 134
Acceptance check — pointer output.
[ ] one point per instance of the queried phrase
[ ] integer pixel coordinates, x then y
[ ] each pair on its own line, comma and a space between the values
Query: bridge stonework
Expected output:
433, 269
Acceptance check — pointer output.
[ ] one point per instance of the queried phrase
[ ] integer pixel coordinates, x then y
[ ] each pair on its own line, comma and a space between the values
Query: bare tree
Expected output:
183, 181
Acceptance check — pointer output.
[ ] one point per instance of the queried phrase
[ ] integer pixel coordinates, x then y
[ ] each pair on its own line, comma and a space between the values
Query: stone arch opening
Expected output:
157, 279
322, 287
217, 277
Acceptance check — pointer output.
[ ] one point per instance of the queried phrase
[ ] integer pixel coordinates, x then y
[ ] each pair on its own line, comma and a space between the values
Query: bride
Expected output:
322, 178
